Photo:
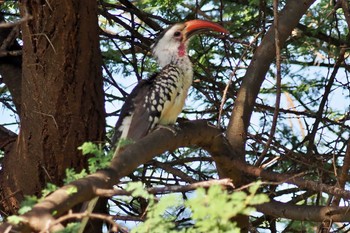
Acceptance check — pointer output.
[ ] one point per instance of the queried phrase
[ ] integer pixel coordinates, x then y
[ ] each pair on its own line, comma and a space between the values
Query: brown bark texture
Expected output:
61, 97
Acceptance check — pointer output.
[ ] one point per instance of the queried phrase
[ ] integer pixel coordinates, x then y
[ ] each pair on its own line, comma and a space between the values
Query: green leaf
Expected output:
25, 209
49, 189
15, 219
213, 209
71, 175
100, 159
27, 204
125, 142
89, 148
138, 190
254, 187
71, 190
160, 217
72, 227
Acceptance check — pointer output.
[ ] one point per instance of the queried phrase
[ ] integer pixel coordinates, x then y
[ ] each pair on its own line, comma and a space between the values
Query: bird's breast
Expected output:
177, 91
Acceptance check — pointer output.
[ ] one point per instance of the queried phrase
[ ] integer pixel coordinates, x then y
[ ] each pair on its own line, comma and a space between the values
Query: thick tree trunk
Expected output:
62, 97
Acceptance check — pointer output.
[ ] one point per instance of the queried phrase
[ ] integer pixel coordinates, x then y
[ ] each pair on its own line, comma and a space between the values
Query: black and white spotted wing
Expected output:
143, 108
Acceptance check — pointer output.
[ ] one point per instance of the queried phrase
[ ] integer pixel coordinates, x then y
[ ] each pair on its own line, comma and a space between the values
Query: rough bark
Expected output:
62, 97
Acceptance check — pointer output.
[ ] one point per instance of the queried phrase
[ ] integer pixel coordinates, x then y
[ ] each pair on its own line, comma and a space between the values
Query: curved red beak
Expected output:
194, 27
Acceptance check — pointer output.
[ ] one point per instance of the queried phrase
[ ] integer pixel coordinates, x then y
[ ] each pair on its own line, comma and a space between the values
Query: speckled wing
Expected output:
143, 107
128, 116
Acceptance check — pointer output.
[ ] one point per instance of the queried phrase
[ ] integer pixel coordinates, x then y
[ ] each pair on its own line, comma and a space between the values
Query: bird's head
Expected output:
172, 43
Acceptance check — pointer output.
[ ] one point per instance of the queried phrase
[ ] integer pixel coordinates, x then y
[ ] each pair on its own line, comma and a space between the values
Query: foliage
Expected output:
27, 204
72, 175
49, 189
15, 219
99, 160
30, 201
159, 217
211, 209
70, 228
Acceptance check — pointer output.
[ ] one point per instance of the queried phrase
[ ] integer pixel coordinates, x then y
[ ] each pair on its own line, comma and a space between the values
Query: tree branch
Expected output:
193, 133
322, 105
25, 18
141, 152
255, 75
70, 215
168, 189
305, 212
343, 176
7, 137
278, 85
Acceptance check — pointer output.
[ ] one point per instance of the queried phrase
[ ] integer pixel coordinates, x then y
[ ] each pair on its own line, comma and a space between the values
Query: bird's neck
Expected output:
185, 65
182, 62
172, 55
176, 56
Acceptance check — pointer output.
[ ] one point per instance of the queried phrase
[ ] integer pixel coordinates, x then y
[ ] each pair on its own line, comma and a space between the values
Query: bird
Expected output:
159, 99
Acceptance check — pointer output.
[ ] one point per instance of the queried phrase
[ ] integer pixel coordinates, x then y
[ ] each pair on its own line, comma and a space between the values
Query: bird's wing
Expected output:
134, 120
143, 107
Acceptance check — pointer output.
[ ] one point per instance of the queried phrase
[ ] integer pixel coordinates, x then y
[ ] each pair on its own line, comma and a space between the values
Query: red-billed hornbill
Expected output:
159, 99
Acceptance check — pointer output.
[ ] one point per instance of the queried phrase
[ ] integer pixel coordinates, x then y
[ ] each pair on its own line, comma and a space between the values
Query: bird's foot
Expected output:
172, 128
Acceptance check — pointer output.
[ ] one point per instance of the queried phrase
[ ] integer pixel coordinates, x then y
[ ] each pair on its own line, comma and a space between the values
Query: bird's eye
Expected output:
177, 34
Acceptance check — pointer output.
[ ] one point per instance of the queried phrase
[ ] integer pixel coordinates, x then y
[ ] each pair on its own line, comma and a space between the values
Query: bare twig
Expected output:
168, 189
128, 218
325, 96
233, 73
25, 18
278, 85
291, 106
267, 182
10, 53
175, 172
344, 173
10, 38
71, 215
